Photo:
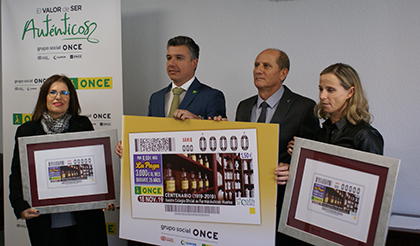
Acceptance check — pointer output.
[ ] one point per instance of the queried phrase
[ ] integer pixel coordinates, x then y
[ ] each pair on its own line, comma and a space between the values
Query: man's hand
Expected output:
218, 118
29, 213
182, 114
119, 149
282, 173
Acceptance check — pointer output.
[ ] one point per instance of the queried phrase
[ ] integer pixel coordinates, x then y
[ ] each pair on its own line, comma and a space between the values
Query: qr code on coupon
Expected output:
154, 144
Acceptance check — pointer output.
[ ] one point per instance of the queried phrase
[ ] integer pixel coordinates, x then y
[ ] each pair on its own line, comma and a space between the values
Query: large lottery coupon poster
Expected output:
187, 176
198, 182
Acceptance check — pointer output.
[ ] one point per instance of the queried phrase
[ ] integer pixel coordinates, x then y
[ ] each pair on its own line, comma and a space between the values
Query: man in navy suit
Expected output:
294, 114
197, 100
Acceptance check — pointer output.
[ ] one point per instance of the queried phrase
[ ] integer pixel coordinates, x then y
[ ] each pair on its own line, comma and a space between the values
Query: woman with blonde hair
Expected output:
345, 109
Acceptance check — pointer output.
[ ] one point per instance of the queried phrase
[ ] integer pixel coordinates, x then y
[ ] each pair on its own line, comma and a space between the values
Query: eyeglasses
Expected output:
53, 93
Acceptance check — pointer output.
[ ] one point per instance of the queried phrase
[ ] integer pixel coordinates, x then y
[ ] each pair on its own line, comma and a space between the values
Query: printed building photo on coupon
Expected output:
193, 180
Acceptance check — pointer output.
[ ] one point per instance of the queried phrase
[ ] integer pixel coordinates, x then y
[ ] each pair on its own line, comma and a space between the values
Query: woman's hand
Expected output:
290, 146
111, 207
119, 149
282, 173
29, 213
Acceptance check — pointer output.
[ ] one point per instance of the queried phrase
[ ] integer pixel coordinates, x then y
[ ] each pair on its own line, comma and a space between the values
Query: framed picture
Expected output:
338, 196
69, 172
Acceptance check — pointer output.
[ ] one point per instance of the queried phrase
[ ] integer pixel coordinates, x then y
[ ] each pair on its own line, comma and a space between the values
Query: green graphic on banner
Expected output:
92, 83
50, 29
19, 119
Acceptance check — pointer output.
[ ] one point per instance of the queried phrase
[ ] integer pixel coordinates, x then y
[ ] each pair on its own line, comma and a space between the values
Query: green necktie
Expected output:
175, 101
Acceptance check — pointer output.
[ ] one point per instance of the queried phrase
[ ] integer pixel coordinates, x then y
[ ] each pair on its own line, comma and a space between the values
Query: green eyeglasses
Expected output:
53, 93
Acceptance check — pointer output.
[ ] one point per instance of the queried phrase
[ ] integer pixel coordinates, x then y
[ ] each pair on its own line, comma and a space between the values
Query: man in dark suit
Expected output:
196, 100
275, 103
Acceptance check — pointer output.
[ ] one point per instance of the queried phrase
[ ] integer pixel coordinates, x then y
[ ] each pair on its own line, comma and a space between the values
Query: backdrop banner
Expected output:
81, 41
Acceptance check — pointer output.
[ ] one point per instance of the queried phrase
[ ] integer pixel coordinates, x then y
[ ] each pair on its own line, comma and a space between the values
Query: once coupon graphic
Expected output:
195, 175
73, 171
335, 197
70, 171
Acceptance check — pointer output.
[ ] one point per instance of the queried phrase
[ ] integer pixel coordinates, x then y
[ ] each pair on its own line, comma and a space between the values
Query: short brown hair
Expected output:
187, 41
283, 61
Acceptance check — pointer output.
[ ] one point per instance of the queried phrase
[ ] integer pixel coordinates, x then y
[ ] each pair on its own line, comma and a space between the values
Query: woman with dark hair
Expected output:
345, 109
57, 111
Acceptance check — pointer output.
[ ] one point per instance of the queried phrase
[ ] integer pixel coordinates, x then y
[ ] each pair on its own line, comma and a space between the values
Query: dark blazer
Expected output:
90, 223
200, 100
295, 116
361, 136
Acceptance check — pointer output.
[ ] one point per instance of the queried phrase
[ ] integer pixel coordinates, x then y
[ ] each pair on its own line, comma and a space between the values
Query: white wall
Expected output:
379, 38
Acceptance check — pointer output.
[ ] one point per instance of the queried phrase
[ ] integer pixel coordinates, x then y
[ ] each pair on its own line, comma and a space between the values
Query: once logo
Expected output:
39, 80
148, 190
100, 116
92, 83
206, 234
